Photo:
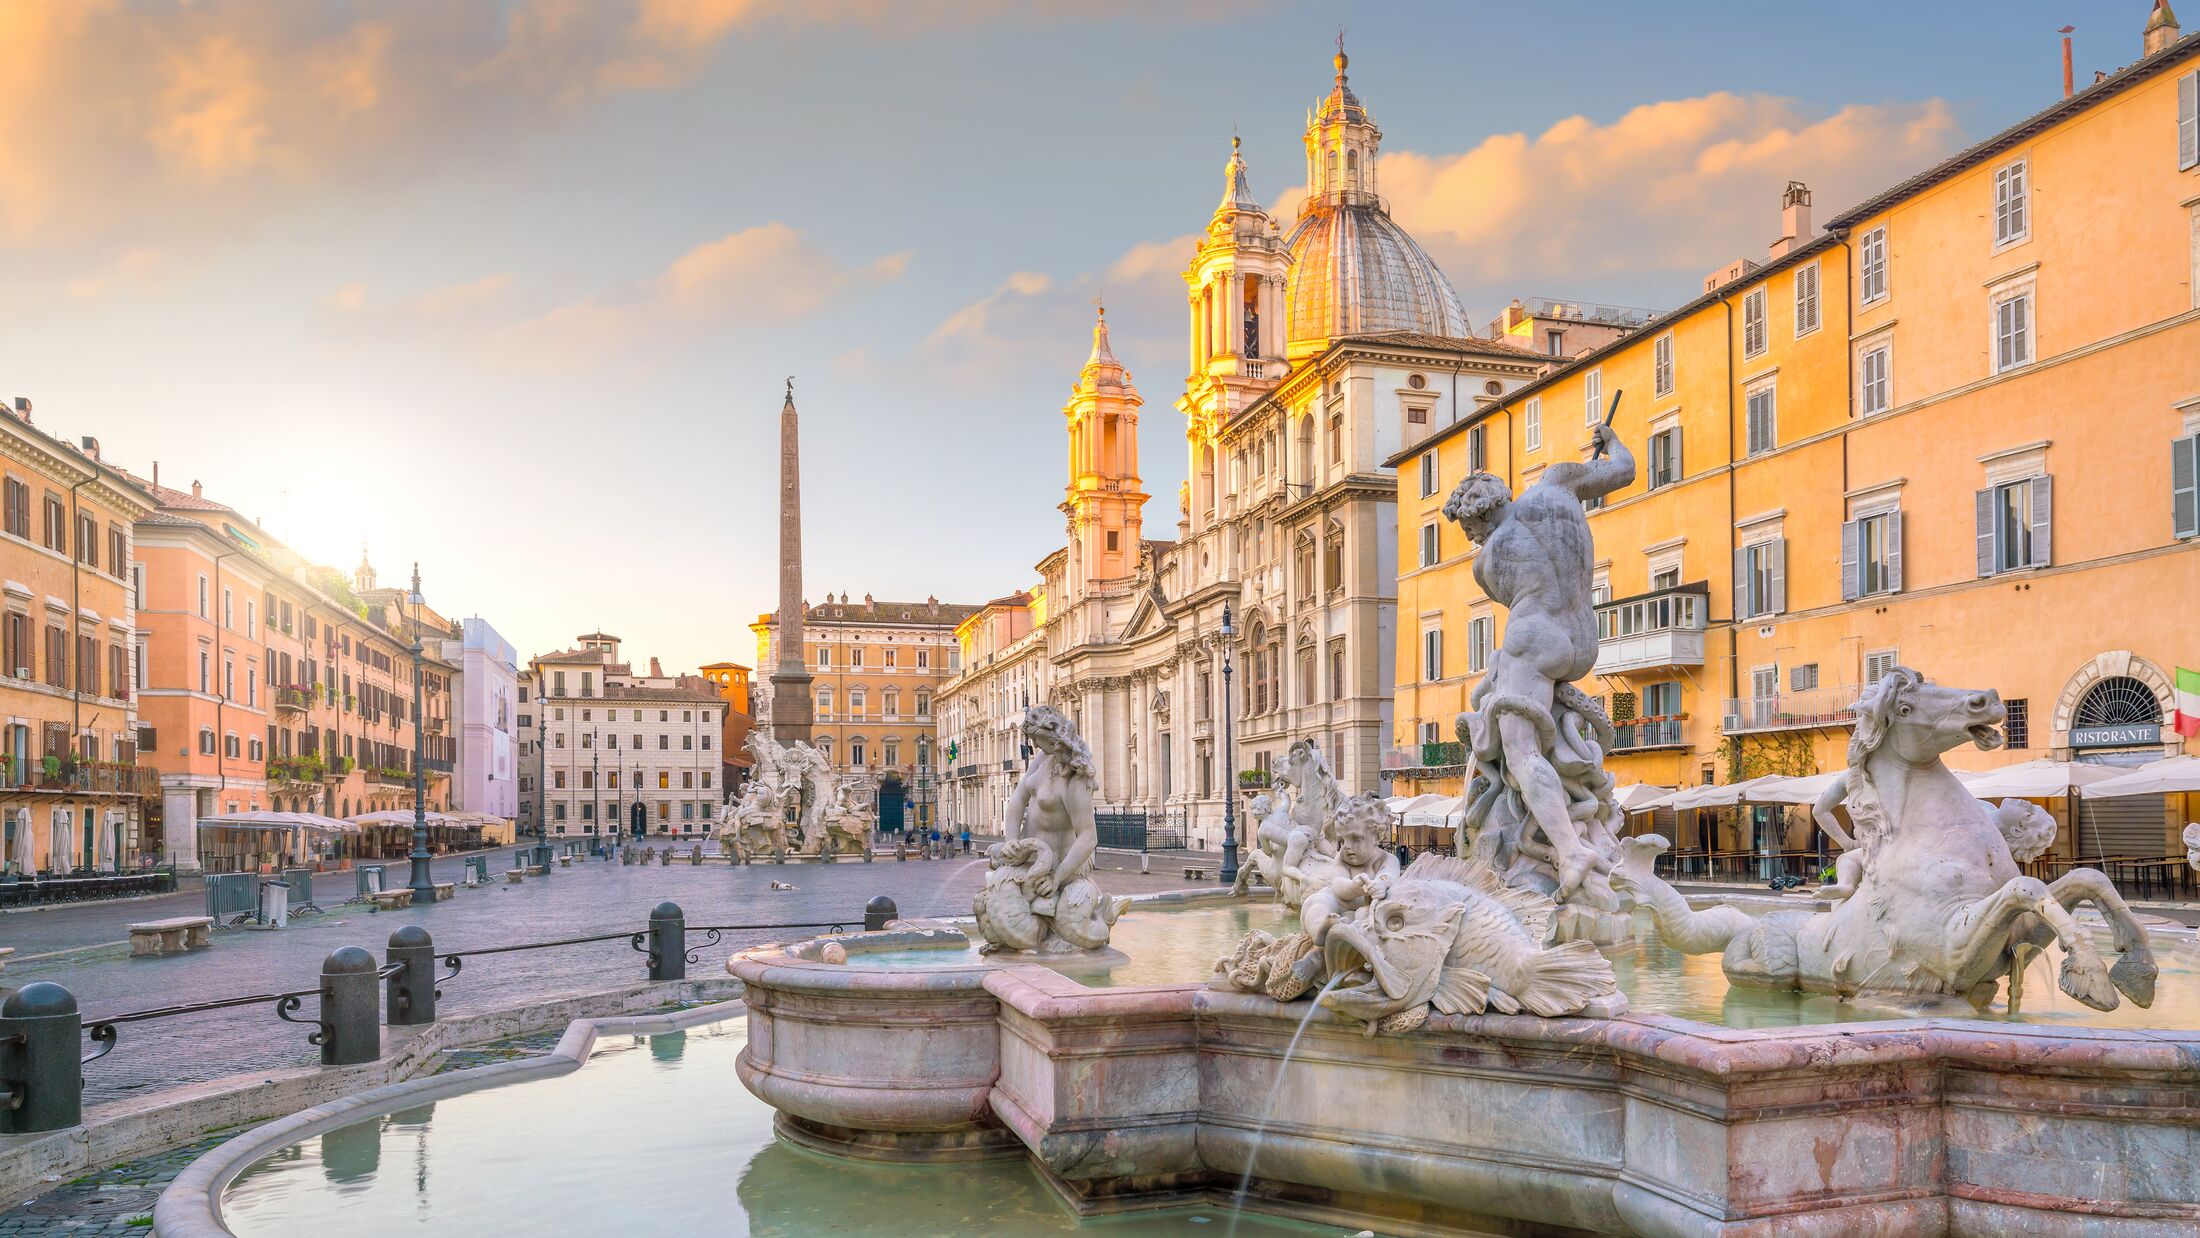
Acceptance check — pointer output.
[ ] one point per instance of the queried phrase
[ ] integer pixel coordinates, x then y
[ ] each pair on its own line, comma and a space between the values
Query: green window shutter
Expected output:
2042, 519
2184, 486
1986, 532
1852, 585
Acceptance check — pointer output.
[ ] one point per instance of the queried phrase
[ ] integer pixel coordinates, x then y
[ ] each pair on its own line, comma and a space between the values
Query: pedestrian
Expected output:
966, 840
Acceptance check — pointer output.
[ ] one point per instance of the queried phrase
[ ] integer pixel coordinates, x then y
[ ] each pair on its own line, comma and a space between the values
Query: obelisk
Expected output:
792, 713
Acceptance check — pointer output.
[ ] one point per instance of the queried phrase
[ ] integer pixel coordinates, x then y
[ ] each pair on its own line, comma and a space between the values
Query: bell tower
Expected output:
1104, 499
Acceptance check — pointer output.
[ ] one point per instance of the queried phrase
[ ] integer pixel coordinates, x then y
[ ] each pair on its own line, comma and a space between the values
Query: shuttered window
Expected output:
2015, 525
1428, 545
1806, 300
1662, 364
1592, 397
1760, 578
1877, 664
1874, 381
2184, 486
2013, 331
1871, 263
2012, 204
1764, 419
1477, 449
1871, 555
1480, 640
1532, 423
1432, 655
1753, 323
1665, 457
1428, 474
2188, 120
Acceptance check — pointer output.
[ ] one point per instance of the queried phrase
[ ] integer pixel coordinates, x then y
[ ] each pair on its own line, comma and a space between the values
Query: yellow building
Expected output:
1956, 430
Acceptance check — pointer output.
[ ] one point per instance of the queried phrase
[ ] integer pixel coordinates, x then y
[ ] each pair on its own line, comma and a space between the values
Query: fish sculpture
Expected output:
1447, 935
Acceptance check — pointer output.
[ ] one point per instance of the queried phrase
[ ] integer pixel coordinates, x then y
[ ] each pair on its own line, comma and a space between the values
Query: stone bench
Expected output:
565, 861
538, 870
5, 951
515, 875
445, 891
391, 900
173, 936
1193, 872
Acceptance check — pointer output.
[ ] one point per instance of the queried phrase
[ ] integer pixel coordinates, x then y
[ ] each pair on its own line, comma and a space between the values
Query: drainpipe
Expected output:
1733, 627
221, 698
76, 606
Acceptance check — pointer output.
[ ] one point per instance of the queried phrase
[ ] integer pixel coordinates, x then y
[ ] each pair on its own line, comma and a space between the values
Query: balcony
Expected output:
1814, 709
1433, 757
1653, 631
1645, 734
390, 776
80, 777
293, 699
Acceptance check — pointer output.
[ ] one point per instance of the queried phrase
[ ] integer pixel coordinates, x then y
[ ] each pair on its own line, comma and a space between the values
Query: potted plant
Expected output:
51, 767
1252, 779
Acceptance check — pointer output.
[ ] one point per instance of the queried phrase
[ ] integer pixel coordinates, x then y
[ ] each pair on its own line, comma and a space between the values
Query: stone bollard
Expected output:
667, 943
351, 1009
41, 1081
877, 912
412, 991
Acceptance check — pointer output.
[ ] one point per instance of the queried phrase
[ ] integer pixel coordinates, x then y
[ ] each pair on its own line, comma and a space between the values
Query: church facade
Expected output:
1315, 354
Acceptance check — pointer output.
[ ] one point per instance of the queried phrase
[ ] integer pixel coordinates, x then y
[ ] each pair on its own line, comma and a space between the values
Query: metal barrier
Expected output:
478, 865
232, 896
41, 1075
301, 889
372, 880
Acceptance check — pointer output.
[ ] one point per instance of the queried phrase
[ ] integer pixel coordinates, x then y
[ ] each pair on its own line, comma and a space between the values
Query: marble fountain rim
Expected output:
191, 1205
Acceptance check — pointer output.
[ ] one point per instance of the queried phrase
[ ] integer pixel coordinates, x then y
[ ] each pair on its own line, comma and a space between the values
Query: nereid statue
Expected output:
1039, 893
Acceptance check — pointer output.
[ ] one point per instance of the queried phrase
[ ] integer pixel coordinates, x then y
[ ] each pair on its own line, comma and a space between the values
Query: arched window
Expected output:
1308, 585
1275, 670
1333, 558
1352, 169
2118, 700
1256, 682
1307, 679
1306, 452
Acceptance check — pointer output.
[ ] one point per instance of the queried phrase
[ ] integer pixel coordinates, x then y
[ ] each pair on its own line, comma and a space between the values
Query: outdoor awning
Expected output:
1640, 796
400, 816
1776, 789
2164, 777
1718, 796
1438, 810
277, 821
2041, 779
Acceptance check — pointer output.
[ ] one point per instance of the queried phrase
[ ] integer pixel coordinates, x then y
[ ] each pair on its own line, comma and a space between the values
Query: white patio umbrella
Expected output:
1717, 795
2041, 779
1640, 796
398, 816
1777, 789
278, 820
1434, 810
2165, 777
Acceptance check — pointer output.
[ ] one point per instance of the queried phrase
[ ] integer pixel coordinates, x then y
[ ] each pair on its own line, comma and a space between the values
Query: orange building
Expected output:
1957, 430
732, 681
71, 795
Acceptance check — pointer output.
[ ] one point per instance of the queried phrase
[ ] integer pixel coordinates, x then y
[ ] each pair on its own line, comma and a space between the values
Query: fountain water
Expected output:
1283, 1067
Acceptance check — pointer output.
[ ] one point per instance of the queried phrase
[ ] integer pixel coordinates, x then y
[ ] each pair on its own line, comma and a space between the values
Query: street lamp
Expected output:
1229, 761
423, 882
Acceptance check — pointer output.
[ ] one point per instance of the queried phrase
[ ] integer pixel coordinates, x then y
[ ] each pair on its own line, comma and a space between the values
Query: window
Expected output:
1806, 299
1803, 678
1428, 474
2184, 486
1760, 579
924, 704
87, 540
1764, 691
824, 657
1477, 449
1874, 380
855, 702
1661, 364
1764, 418
1336, 438
1877, 662
855, 656
1479, 642
1753, 323
2013, 330
2014, 523
855, 752
1592, 397
1531, 422
1871, 555
1113, 543
1554, 342
924, 659
2016, 726
2012, 205
229, 609
1432, 655
1429, 553
1665, 457
57, 524
17, 509
1871, 263
1336, 670
206, 741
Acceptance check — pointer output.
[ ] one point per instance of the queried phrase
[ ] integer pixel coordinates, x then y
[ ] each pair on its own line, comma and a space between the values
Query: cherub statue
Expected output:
1043, 873
1355, 876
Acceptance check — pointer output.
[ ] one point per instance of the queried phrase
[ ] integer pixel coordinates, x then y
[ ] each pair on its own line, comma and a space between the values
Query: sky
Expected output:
511, 289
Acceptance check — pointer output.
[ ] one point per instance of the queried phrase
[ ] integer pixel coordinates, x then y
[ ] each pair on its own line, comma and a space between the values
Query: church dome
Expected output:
1354, 271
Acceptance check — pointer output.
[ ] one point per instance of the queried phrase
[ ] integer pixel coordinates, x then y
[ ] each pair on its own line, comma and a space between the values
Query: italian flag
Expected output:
2187, 718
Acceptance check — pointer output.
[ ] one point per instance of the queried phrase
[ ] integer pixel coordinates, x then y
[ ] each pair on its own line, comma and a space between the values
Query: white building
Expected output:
486, 779
1004, 671
636, 753
1315, 355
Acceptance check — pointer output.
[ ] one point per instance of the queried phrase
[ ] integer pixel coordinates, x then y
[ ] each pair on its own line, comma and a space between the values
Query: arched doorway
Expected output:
2111, 713
638, 819
891, 798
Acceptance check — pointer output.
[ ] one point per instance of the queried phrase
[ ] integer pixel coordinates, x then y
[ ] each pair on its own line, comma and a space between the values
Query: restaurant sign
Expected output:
2120, 736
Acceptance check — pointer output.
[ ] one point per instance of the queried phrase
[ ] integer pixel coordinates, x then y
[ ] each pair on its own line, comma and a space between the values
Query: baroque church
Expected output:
1315, 356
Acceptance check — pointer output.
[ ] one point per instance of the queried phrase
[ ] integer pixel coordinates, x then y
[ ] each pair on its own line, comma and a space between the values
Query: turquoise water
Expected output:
655, 1135
1180, 946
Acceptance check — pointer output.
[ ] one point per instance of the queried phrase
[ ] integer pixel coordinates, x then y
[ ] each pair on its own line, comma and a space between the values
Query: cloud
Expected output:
972, 325
768, 275
136, 270
1671, 188
1149, 260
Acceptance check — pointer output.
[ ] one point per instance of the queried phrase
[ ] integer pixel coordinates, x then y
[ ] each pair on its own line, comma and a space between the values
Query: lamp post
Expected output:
542, 760
423, 882
1229, 761
638, 806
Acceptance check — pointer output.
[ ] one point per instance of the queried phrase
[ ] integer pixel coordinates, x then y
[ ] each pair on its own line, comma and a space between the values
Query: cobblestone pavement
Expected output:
589, 898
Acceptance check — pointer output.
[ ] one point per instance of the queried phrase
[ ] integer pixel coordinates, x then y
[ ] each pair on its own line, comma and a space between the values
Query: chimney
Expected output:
91, 446
1794, 220
2069, 87
655, 671
23, 408
197, 491
2162, 30
156, 472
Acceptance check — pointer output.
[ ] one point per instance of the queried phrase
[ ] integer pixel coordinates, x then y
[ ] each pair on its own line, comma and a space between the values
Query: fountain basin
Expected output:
1145, 1095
